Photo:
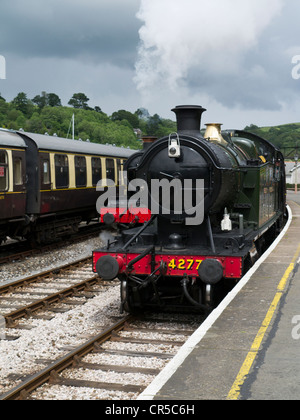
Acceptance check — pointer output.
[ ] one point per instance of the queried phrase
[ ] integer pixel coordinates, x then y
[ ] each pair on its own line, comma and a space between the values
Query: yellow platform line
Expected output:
245, 369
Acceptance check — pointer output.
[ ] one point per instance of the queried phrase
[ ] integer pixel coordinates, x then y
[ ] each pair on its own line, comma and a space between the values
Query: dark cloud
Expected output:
103, 31
262, 81
237, 63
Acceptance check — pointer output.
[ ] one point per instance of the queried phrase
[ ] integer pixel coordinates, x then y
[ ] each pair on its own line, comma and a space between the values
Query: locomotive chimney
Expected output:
189, 119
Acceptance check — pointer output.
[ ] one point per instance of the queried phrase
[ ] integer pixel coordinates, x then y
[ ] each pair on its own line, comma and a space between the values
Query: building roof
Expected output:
294, 168
290, 167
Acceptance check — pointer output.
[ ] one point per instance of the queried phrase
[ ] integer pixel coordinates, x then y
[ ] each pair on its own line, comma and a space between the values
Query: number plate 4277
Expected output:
185, 264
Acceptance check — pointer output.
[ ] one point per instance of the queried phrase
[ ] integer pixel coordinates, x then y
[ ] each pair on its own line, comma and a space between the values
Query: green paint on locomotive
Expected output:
259, 199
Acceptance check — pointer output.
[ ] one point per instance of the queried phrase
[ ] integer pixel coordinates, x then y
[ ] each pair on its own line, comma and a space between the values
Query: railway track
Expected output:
132, 351
113, 359
24, 297
19, 250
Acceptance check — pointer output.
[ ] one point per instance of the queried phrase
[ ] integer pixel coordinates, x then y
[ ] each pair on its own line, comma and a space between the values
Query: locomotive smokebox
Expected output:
189, 119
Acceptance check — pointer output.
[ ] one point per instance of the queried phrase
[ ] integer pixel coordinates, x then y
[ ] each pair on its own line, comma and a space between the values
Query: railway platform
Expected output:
249, 347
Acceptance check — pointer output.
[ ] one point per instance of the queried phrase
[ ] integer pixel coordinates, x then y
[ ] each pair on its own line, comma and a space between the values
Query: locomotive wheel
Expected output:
214, 294
124, 295
126, 298
208, 294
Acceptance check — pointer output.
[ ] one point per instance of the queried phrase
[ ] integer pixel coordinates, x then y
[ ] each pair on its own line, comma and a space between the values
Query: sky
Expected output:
239, 59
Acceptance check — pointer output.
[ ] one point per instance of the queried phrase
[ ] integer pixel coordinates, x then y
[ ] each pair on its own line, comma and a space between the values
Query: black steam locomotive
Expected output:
204, 236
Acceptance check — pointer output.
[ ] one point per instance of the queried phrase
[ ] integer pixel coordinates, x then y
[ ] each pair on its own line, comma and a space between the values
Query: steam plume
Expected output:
182, 39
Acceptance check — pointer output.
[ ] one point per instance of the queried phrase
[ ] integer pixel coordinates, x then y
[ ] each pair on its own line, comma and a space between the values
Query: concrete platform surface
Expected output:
249, 348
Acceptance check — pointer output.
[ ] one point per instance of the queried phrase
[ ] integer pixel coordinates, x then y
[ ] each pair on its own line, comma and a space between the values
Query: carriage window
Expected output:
46, 172
18, 171
3, 171
110, 169
61, 171
80, 171
96, 170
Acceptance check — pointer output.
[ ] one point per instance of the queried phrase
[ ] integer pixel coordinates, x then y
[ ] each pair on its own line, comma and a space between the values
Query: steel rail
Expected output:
84, 233
51, 299
8, 287
22, 391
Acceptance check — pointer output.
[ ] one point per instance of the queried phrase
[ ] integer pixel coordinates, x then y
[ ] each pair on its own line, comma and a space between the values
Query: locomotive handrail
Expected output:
139, 232
140, 257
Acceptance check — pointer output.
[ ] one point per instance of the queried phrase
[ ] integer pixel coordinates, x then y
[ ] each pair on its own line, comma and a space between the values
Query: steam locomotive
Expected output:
232, 183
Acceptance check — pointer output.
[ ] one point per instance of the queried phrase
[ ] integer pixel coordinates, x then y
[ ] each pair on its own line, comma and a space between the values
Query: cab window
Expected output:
3, 171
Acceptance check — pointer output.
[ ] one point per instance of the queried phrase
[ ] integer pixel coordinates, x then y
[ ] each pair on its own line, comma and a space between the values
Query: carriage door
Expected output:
45, 182
4, 183
19, 187
3, 171
45, 178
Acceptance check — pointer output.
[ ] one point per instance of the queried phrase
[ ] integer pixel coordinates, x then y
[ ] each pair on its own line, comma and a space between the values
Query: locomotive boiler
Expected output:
216, 201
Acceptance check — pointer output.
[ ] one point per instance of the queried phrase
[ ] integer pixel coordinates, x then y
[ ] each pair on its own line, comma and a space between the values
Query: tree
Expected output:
79, 100
46, 99
126, 115
142, 114
22, 103
153, 124
53, 100
40, 100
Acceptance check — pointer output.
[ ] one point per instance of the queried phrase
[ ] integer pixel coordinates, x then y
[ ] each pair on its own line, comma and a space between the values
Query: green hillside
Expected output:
45, 114
282, 136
